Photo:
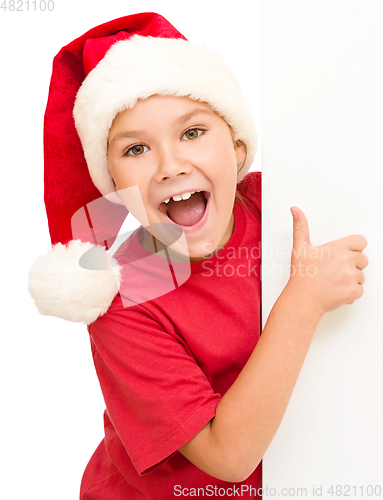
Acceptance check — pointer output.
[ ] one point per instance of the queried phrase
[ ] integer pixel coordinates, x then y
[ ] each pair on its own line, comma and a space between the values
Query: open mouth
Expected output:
187, 209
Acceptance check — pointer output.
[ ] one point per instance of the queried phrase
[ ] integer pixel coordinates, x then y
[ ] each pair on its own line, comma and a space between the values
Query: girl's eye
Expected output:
136, 150
192, 133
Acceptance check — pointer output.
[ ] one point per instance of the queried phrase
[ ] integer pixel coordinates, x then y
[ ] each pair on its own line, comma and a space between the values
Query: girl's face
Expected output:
169, 146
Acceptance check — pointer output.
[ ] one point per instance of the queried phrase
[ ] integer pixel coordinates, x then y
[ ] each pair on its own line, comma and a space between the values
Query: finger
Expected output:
360, 276
361, 291
301, 235
358, 294
356, 242
361, 261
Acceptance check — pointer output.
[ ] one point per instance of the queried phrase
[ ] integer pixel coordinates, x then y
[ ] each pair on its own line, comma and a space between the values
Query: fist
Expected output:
328, 275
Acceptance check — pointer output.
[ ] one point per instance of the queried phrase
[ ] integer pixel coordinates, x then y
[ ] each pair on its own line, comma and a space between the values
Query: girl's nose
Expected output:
172, 164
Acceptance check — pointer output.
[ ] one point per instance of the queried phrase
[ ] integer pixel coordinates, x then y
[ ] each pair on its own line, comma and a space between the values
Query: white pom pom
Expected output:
61, 287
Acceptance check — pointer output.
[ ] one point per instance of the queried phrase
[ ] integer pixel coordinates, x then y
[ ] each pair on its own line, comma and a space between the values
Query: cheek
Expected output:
112, 169
221, 157
122, 177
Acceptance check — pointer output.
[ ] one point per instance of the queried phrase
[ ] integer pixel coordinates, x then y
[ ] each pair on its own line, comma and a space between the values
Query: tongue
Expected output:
187, 212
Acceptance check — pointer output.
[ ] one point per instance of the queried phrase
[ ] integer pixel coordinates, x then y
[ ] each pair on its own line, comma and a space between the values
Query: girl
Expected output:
193, 394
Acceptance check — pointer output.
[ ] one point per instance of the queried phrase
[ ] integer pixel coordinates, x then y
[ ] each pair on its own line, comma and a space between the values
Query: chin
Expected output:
201, 251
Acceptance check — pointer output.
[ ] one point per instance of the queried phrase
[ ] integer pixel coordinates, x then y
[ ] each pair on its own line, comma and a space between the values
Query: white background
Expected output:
51, 418
322, 151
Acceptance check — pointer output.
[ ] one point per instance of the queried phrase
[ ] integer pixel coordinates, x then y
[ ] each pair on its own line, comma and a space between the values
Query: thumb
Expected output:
301, 235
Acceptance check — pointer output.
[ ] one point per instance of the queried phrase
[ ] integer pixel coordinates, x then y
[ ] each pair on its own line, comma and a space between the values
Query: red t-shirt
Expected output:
164, 365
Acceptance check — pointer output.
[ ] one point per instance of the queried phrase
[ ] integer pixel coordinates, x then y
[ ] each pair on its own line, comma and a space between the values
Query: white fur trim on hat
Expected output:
61, 287
144, 66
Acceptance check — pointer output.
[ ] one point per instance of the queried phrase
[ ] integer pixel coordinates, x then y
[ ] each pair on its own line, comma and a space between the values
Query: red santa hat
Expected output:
98, 75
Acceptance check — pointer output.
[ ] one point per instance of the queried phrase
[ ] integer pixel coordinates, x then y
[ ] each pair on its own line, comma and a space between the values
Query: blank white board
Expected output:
323, 151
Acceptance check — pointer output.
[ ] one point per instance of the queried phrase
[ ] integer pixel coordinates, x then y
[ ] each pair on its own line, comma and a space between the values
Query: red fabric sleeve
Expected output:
156, 395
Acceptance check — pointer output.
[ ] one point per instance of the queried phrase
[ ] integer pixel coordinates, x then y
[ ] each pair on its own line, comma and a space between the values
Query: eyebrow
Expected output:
126, 135
198, 111
133, 134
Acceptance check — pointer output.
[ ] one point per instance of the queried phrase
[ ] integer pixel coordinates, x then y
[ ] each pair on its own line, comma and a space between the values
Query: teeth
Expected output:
183, 196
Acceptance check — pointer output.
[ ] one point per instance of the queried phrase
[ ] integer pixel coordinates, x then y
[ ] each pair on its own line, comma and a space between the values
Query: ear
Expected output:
240, 152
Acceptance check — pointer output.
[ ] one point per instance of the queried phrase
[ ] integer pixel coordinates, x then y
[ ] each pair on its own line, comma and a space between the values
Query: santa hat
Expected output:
94, 78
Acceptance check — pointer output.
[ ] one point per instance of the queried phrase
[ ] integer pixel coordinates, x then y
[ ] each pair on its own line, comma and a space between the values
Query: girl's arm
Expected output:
232, 444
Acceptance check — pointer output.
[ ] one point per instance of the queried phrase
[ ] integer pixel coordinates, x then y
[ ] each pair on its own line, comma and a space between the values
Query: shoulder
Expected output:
250, 189
123, 313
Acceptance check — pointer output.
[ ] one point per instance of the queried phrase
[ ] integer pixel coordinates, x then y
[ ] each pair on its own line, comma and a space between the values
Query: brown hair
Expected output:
238, 195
